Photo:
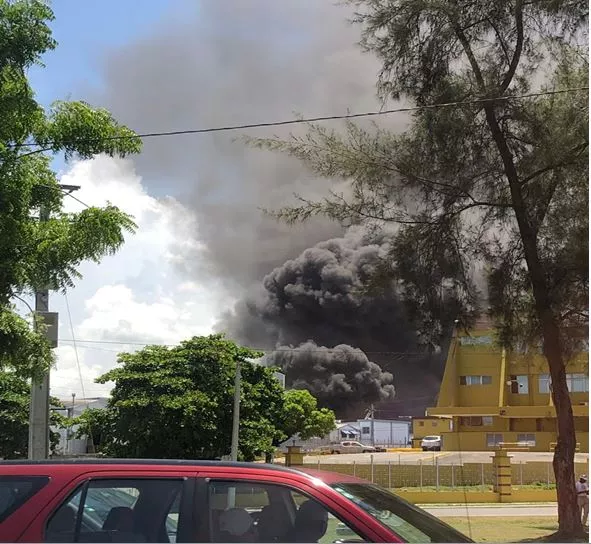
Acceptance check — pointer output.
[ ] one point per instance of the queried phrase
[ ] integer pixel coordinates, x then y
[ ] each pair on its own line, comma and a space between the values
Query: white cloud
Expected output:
137, 296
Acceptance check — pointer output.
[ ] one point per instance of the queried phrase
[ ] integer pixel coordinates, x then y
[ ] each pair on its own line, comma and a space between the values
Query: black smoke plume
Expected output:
342, 378
320, 299
228, 62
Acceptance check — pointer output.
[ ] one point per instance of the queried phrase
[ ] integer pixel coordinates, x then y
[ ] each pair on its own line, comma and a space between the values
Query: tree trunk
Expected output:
564, 454
569, 523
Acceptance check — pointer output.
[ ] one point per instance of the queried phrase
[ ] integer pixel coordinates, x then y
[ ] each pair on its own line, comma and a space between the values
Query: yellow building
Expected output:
493, 397
428, 426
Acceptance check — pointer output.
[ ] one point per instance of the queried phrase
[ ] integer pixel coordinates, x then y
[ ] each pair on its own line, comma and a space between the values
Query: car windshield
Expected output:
431, 438
407, 521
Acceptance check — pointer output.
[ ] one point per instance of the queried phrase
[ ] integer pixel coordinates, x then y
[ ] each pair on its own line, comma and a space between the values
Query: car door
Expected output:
273, 508
119, 506
356, 447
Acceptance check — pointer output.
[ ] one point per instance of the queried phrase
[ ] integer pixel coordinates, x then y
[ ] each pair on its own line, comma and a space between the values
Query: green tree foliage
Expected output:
40, 254
15, 398
496, 184
301, 416
178, 403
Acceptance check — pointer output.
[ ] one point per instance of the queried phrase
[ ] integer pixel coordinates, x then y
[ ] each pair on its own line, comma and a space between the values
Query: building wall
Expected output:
477, 440
476, 393
386, 432
426, 426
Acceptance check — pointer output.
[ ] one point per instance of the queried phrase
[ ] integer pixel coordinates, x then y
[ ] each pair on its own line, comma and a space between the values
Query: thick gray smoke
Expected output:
320, 296
234, 62
341, 378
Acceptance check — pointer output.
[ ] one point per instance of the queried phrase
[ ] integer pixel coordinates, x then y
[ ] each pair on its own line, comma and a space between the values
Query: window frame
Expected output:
482, 379
496, 443
573, 377
186, 521
516, 383
204, 502
38, 481
530, 443
547, 381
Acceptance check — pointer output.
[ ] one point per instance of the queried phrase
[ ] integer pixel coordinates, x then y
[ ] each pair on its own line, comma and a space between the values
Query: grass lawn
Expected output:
509, 529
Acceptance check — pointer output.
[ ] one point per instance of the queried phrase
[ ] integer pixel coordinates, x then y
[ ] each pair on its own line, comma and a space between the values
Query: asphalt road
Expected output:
474, 511
443, 458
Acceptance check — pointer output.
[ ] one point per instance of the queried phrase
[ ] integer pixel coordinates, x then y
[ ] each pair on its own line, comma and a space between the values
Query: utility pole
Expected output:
373, 438
39, 408
236, 415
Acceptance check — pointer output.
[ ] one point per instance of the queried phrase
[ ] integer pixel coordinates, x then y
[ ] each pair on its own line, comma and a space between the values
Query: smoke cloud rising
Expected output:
341, 378
226, 63
319, 296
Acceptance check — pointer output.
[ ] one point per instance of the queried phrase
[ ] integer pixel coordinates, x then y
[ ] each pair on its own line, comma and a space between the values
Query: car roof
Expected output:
327, 477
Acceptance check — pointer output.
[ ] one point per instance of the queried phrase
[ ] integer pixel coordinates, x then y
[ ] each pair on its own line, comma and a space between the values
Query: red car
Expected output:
200, 501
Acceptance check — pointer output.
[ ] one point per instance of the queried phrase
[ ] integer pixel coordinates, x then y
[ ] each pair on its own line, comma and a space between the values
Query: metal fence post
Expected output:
390, 474
354, 468
318, 463
437, 473
548, 473
398, 459
482, 474
521, 473
421, 474
453, 480
371, 462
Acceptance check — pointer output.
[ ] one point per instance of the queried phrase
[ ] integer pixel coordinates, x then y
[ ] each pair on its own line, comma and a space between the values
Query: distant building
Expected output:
492, 396
68, 445
387, 432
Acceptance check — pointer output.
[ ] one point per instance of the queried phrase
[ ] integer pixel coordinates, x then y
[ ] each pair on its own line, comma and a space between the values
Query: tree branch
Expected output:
501, 41
577, 150
518, 47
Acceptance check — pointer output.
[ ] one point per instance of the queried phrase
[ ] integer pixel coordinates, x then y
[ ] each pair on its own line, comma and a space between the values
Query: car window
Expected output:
404, 519
138, 510
16, 490
241, 511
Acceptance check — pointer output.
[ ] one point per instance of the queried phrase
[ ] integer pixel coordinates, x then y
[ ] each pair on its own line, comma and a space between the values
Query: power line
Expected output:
228, 128
78, 341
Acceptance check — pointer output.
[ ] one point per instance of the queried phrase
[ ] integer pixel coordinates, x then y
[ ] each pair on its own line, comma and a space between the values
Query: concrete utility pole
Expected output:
39, 408
373, 437
236, 415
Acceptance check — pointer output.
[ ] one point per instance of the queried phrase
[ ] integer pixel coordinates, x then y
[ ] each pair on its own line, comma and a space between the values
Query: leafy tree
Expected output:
178, 403
301, 416
493, 182
41, 254
15, 399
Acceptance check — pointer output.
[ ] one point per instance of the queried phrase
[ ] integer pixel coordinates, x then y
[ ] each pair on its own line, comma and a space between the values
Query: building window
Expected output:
493, 439
519, 384
434, 424
577, 383
527, 439
475, 380
365, 429
544, 383
487, 421
421, 423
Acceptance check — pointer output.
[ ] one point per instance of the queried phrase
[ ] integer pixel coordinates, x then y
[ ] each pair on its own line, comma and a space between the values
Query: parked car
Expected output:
431, 443
352, 446
200, 501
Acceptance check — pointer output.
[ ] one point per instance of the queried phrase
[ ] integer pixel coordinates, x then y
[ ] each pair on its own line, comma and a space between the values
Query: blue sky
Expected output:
85, 31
